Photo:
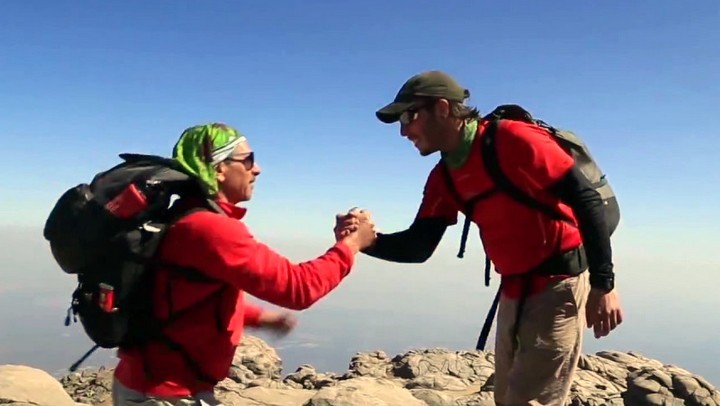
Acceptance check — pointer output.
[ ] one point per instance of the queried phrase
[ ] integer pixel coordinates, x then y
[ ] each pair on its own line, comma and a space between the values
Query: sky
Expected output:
82, 81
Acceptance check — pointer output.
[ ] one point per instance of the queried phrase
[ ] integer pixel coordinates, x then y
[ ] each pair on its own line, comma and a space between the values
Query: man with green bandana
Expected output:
545, 295
198, 352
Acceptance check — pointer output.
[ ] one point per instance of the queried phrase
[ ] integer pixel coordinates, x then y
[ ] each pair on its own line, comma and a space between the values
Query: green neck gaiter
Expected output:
457, 158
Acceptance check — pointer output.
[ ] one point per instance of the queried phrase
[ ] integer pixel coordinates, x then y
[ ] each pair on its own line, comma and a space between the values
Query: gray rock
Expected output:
590, 388
241, 374
605, 368
254, 355
469, 366
307, 378
438, 382
376, 364
22, 385
435, 397
477, 399
92, 386
365, 391
436, 377
261, 396
656, 386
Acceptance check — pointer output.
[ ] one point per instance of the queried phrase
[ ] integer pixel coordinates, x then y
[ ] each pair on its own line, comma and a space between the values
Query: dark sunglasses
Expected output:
409, 115
248, 161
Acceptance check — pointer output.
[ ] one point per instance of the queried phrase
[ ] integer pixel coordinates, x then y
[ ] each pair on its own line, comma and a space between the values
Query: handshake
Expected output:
356, 229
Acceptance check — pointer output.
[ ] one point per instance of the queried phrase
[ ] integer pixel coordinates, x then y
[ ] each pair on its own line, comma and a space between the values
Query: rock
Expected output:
604, 367
477, 399
673, 386
22, 385
241, 374
590, 388
263, 396
376, 364
438, 382
90, 386
435, 397
435, 377
269, 383
307, 378
364, 391
255, 356
471, 367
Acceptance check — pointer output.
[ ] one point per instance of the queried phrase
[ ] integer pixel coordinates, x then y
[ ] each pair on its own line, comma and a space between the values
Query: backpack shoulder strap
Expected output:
453, 191
492, 165
467, 206
450, 183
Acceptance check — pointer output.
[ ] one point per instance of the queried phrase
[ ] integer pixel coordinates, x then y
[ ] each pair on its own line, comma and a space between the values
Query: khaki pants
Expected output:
123, 396
538, 368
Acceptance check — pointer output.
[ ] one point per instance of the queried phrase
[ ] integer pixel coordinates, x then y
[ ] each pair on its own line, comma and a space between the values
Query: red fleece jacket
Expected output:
223, 248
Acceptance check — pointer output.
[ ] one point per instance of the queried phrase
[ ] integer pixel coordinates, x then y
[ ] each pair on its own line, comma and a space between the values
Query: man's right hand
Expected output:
348, 222
356, 229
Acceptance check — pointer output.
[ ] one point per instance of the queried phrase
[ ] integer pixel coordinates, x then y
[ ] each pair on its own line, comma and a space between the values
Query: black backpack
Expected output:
107, 233
570, 142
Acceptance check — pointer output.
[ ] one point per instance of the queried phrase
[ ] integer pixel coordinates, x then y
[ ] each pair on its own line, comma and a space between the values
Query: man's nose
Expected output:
403, 130
256, 169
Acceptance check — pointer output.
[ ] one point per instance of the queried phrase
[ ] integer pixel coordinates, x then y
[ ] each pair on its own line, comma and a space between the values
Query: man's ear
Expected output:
220, 170
442, 108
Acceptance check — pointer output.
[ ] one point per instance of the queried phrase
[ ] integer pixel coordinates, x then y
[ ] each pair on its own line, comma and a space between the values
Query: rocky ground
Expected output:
420, 377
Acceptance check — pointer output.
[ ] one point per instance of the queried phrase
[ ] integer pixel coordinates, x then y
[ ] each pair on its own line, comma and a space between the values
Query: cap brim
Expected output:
392, 112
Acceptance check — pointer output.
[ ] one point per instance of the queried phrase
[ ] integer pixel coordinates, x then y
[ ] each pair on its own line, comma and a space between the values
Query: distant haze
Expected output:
380, 306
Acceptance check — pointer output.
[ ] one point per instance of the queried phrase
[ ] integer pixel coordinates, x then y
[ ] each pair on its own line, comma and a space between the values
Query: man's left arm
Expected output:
603, 310
538, 163
575, 190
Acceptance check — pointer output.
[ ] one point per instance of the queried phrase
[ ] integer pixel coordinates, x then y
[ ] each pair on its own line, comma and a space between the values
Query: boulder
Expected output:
306, 377
25, 386
376, 364
365, 391
255, 359
230, 393
434, 376
91, 386
469, 367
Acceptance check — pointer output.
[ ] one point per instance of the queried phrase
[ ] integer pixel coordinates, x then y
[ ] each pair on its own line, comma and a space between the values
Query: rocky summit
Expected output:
435, 377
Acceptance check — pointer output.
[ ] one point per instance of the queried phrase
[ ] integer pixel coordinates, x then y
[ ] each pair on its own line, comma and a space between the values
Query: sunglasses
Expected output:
411, 114
408, 117
248, 161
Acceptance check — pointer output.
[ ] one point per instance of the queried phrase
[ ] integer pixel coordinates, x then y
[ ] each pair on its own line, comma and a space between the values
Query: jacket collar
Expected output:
232, 210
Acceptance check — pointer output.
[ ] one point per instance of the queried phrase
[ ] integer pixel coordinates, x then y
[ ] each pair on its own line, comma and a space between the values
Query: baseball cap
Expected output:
426, 84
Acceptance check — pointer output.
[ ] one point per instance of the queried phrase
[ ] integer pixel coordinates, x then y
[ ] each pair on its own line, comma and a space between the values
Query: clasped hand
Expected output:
356, 228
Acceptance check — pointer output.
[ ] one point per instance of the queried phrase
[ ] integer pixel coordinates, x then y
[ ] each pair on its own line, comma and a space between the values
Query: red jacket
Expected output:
516, 238
223, 248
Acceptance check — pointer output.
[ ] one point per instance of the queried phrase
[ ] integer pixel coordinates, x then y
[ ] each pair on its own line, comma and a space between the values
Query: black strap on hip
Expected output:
570, 263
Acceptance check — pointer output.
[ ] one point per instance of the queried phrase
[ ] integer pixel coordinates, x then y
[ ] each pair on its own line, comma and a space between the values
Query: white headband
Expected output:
222, 153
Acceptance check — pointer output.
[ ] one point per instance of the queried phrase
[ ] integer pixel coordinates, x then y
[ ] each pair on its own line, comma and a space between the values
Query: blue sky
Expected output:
85, 80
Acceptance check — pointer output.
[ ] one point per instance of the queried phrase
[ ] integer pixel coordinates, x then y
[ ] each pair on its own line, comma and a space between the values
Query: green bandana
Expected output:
202, 147
457, 158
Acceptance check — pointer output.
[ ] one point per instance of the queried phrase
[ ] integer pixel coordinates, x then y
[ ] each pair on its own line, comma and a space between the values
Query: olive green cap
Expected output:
426, 84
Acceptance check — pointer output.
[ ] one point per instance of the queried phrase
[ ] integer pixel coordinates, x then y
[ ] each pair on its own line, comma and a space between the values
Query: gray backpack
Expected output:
571, 143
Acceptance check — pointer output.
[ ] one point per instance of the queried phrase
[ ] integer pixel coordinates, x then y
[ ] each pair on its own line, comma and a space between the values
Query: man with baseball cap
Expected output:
546, 296
429, 84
